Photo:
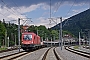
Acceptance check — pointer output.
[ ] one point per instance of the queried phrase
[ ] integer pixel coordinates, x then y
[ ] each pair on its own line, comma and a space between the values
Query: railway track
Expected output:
13, 56
16, 56
8, 50
51, 52
79, 52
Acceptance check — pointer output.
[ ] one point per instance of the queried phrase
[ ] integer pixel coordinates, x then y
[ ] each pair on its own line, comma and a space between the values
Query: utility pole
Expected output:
79, 40
19, 34
15, 39
5, 37
51, 41
61, 32
54, 39
37, 31
89, 37
50, 8
47, 41
59, 38
45, 36
42, 39
8, 41
3, 42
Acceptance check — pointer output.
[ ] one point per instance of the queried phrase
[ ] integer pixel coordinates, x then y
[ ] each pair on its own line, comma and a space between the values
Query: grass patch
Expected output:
3, 49
76, 47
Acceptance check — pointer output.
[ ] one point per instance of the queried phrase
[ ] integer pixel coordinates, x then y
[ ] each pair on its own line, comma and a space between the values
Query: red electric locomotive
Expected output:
30, 41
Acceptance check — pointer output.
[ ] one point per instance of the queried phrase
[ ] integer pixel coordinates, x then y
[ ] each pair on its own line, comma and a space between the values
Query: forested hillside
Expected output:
76, 23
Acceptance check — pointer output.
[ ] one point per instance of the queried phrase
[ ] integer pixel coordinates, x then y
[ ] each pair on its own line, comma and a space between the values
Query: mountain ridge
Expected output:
76, 23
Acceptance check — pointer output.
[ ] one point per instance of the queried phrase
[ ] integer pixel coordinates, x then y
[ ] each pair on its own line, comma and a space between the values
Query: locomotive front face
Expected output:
27, 39
30, 41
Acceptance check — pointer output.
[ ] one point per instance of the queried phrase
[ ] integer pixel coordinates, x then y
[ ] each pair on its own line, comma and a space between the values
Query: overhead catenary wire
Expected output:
68, 12
20, 12
19, 9
70, 8
13, 12
89, 4
50, 14
51, 19
6, 8
50, 11
4, 16
16, 6
57, 7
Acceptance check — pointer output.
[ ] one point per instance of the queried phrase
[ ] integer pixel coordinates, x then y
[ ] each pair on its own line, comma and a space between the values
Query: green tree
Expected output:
2, 32
55, 34
42, 31
12, 30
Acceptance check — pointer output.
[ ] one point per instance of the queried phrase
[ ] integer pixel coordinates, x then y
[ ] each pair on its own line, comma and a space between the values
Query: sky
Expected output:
39, 12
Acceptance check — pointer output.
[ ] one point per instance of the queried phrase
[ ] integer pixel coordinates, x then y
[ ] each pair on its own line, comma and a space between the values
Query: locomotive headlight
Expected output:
22, 41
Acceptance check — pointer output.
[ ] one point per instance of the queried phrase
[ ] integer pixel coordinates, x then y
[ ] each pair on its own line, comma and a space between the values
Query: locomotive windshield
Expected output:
27, 37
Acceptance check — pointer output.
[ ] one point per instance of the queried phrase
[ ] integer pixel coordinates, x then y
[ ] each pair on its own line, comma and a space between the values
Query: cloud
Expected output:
27, 3
77, 11
30, 8
14, 13
41, 21
46, 22
14, 9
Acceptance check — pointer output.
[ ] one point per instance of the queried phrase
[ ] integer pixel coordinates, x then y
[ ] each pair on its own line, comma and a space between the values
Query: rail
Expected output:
84, 54
55, 53
57, 56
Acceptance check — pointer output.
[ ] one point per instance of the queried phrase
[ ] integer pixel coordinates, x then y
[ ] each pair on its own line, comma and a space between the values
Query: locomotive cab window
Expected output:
27, 37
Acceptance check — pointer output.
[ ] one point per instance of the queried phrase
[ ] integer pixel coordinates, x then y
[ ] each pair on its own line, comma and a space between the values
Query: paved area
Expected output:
66, 55
84, 49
